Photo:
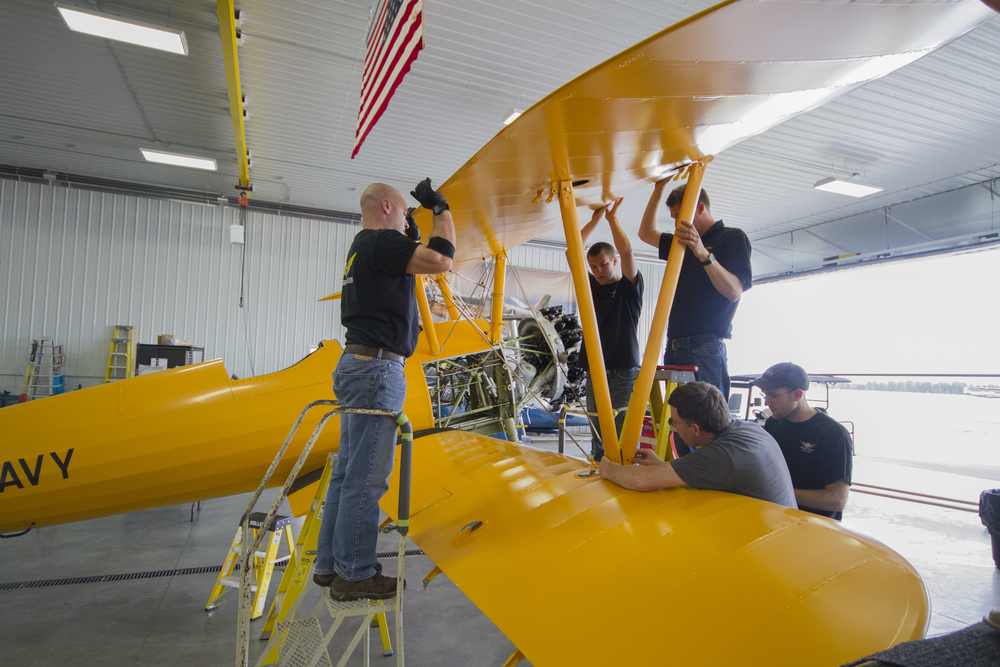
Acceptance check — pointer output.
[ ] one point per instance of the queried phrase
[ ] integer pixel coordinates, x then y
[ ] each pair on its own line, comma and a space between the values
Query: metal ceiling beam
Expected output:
227, 32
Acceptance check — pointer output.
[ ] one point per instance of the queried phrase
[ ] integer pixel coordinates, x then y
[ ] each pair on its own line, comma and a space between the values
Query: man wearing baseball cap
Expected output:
817, 448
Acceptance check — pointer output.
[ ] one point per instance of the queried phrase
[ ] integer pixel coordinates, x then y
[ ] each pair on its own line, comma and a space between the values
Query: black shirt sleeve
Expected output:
665, 241
734, 256
392, 253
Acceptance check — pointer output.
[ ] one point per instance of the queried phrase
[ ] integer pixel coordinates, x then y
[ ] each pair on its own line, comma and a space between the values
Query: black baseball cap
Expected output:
785, 374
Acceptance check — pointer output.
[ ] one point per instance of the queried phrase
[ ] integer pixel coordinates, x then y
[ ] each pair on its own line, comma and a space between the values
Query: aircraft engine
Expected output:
550, 345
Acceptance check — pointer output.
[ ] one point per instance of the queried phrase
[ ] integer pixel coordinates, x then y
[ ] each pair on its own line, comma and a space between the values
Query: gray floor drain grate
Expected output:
101, 578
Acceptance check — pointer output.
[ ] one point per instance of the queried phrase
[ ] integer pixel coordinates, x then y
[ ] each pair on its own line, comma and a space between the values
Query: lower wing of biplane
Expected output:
578, 571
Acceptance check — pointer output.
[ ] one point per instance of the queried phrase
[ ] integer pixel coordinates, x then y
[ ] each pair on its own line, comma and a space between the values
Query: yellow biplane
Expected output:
529, 535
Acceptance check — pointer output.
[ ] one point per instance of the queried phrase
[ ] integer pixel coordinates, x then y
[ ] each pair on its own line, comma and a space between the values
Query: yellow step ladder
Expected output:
674, 376
121, 358
262, 562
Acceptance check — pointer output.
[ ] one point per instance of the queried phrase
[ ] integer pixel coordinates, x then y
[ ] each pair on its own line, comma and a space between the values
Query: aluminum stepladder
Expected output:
293, 630
44, 375
296, 578
674, 376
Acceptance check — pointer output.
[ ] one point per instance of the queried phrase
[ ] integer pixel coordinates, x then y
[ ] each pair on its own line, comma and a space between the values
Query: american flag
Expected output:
395, 37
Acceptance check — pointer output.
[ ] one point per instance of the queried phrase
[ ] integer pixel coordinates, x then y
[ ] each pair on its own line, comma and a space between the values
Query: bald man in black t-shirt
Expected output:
379, 311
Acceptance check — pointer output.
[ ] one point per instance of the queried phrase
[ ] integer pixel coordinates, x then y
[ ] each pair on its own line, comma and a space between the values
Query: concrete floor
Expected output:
161, 621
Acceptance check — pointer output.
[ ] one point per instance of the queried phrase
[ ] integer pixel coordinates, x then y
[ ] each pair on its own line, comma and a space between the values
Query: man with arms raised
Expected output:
734, 456
379, 311
616, 285
714, 275
817, 448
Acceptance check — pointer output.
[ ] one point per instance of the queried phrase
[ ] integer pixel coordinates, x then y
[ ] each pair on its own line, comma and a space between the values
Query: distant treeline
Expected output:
910, 385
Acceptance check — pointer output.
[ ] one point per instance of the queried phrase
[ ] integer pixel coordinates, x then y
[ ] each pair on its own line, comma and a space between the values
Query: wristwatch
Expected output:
438, 209
710, 260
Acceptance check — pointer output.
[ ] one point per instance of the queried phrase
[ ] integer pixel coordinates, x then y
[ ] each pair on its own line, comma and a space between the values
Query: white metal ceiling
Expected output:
81, 105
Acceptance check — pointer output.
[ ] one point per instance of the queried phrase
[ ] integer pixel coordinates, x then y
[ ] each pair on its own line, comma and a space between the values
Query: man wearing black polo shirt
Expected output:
715, 273
817, 448
616, 285
379, 311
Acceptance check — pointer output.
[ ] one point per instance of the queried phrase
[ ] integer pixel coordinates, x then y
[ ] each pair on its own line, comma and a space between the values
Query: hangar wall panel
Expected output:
75, 263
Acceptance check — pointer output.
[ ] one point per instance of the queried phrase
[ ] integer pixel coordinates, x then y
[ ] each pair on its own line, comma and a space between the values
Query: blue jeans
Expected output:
710, 358
620, 382
360, 477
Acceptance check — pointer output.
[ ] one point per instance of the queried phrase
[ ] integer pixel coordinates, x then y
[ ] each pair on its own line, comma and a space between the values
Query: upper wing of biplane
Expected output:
685, 93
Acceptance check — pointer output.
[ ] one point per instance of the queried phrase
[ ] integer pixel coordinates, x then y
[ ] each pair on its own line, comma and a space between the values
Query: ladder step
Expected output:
233, 581
239, 549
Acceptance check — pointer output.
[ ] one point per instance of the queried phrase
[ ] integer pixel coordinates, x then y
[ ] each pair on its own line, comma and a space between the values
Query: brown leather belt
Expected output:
375, 352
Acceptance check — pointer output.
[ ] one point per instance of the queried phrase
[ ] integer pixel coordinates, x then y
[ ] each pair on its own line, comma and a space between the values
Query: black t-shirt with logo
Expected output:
617, 306
817, 451
698, 307
378, 305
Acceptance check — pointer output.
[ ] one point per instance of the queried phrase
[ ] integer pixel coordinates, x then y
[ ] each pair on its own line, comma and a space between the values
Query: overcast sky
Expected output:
937, 315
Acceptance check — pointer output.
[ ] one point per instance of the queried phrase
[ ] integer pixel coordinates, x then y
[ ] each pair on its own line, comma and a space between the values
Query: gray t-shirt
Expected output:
741, 459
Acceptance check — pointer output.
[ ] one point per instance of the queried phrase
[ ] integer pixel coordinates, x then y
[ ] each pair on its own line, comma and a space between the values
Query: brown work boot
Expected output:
375, 587
324, 580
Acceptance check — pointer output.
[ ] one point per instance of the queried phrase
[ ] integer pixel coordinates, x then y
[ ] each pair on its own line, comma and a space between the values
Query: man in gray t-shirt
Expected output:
733, 456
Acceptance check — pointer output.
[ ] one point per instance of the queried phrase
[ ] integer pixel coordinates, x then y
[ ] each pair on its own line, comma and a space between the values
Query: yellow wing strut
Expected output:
588, 320
499, 285
640, 393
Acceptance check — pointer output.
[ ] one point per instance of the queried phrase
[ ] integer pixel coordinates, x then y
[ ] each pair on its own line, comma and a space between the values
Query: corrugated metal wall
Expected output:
75, 263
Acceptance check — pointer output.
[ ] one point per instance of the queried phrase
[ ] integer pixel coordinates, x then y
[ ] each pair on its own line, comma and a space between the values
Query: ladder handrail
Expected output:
246, 555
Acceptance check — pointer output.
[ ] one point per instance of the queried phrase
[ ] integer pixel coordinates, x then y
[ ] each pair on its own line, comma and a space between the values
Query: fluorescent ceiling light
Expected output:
178, 160
133, 32
832, 184
511, 115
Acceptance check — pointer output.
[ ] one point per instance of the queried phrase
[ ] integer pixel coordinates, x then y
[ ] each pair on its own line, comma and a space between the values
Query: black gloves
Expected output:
428, 198
411, 226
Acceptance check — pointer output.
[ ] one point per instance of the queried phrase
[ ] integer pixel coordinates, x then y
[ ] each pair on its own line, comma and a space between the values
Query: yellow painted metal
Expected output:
515, 658
692, 90
661, 417
499, 286
658, 327
762, 584
179, 436
588, 320
430, 576
227, 33
332, 297
425, 316
442, 283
